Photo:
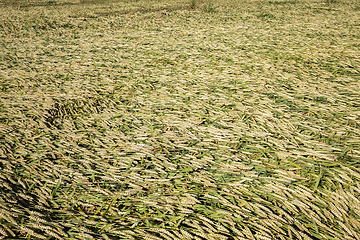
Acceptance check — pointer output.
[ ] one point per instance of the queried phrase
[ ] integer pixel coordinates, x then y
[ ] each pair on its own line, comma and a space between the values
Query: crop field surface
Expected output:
180, 119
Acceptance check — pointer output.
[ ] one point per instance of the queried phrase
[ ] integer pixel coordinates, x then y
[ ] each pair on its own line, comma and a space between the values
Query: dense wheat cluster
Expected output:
180, 120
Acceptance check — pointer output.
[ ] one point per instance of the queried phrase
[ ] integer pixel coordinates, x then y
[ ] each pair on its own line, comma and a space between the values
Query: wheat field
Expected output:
173, 119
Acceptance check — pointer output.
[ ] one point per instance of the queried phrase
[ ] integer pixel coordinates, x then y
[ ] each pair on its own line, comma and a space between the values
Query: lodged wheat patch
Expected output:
179, 120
